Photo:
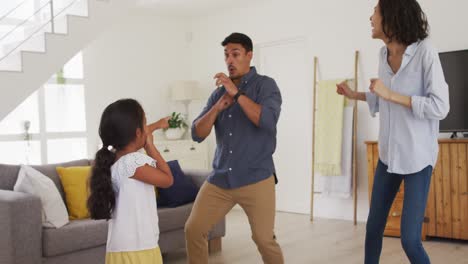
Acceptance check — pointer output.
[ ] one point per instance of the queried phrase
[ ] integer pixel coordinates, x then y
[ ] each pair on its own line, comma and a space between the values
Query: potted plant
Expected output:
177, 127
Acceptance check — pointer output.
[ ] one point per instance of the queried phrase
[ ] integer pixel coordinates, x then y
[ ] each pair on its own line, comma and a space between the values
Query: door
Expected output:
291, 67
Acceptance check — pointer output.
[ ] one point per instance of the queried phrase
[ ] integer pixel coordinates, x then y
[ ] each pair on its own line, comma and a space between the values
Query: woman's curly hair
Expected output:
403, 21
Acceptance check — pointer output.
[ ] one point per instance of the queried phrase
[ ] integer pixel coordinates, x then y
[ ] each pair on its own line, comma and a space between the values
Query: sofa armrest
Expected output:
198, 176
219, 230
21, 225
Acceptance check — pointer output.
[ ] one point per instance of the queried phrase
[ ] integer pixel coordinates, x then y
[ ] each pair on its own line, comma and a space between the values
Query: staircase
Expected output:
45, 37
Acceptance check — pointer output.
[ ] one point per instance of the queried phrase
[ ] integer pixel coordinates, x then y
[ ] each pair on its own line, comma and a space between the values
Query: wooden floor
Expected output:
324, 241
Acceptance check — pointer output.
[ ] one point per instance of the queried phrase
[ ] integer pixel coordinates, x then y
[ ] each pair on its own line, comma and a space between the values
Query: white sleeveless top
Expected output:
134, 223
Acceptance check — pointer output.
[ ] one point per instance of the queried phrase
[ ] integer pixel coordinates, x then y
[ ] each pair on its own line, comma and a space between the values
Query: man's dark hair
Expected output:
403, 21
239, 38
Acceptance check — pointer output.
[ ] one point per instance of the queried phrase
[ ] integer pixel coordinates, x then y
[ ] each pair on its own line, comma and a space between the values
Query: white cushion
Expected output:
31, 181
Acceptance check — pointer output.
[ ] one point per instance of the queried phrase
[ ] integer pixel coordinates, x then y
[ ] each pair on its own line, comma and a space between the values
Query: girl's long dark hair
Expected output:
403, 21
119, 123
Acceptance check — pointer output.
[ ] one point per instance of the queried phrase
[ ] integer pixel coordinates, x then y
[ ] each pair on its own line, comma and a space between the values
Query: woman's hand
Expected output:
377, 87
343, 89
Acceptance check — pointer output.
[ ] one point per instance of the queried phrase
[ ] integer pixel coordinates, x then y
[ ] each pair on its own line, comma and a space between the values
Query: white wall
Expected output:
333, 30
138, 58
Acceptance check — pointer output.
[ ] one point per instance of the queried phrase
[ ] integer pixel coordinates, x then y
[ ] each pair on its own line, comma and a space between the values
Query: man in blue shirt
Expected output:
244, 110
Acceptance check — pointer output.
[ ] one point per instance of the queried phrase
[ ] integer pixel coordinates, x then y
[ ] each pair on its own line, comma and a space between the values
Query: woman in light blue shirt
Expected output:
411, 96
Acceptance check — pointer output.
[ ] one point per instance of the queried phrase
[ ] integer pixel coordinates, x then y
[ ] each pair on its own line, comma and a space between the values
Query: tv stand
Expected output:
455, 135
446, 212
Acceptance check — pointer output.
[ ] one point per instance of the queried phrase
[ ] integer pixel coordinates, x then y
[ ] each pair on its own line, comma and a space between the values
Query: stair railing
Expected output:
51, 20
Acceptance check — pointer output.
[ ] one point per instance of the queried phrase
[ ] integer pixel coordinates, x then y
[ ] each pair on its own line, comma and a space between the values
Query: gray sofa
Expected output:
23, 240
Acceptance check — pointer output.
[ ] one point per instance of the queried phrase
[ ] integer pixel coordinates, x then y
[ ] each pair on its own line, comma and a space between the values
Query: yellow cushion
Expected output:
75, 185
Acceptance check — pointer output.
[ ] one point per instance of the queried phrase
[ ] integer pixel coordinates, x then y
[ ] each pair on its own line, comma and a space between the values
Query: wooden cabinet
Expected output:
447, 205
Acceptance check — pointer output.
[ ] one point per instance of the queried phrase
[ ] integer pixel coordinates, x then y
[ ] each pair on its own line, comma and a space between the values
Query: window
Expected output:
50, 125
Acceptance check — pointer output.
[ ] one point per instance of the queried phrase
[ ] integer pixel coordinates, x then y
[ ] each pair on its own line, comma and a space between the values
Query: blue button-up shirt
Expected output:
244, 152
408, 137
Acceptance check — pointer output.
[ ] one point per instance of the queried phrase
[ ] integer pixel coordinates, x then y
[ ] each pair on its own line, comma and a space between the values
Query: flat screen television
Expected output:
455, 67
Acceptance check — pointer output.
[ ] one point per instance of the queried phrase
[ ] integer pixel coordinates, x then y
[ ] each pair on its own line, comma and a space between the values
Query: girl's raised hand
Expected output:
160, 124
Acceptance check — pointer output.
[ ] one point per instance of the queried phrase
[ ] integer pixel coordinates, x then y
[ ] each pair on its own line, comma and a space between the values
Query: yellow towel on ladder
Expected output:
328, 128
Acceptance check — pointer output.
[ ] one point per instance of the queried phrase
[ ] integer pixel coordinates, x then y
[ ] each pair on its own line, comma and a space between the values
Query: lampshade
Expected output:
185, 90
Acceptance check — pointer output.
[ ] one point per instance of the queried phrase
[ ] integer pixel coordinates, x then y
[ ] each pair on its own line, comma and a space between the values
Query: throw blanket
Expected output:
328, 128
340, 186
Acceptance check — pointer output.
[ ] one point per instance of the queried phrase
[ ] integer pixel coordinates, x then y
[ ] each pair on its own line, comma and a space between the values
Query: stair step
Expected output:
59, 48
37, 43
11, 63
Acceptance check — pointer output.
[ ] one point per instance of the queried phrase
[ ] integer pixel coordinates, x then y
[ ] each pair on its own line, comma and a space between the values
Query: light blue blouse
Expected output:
408, 137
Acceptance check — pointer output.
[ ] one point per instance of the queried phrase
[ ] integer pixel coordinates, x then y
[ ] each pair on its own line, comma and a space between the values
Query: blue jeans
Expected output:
384, 190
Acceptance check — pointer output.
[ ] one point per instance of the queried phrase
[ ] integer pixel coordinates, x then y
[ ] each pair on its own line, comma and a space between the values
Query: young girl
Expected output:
122, 184
411, 96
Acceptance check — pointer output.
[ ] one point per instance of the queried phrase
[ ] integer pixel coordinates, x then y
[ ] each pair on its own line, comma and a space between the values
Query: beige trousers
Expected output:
213, 203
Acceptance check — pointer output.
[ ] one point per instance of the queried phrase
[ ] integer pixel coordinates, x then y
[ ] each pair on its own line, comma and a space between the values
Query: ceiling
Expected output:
191, 7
